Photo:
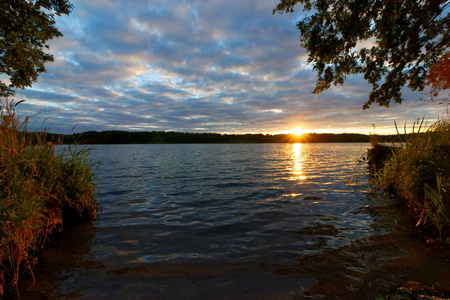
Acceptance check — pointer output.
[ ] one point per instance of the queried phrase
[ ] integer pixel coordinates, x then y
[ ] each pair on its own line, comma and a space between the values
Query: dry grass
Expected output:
37, 188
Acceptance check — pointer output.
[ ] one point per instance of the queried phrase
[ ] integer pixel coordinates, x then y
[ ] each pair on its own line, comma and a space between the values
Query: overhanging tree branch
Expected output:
25, 27
408, 38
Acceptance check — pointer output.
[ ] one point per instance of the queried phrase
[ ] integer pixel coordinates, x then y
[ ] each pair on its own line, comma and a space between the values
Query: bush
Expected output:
378, 155
39, 191
418, 172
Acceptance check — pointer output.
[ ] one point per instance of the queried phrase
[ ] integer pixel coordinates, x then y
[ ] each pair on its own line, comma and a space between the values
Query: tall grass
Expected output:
418, 173
40, 190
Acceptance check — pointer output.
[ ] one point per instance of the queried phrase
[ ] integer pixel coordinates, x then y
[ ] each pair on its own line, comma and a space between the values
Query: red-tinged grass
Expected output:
40, 191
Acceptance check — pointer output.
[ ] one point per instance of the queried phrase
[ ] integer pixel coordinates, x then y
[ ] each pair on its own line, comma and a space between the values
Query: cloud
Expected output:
197, 66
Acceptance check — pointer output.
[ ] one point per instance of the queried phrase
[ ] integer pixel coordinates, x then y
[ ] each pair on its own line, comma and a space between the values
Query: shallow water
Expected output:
268, 221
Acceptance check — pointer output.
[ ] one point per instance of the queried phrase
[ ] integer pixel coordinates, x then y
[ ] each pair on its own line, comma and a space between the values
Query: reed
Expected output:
418, 173
40, 191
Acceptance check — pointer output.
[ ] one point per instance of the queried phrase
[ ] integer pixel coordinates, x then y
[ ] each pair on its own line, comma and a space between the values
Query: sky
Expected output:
196, 66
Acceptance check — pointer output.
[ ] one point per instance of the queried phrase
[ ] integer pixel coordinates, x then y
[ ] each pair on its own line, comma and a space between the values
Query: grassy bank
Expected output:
418, 173
40, 191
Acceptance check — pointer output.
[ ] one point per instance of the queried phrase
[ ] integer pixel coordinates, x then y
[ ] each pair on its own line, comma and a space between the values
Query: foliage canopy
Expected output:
25, 27
393, 43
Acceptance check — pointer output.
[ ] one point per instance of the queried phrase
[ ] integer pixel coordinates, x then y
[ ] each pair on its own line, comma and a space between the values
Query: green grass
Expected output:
418, 173
40, 191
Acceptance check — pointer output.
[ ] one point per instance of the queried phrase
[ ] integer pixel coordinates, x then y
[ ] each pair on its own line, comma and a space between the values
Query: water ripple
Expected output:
201, 202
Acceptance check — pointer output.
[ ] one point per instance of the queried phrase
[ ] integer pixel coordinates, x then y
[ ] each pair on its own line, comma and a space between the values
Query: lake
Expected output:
236, 221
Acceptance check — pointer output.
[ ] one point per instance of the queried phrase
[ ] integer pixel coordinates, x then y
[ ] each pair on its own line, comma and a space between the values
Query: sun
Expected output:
297, 132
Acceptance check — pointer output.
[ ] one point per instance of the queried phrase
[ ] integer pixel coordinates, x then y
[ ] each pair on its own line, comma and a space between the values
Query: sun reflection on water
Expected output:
298, 159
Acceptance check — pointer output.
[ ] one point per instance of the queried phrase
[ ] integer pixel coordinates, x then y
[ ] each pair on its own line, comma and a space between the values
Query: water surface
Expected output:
268, 221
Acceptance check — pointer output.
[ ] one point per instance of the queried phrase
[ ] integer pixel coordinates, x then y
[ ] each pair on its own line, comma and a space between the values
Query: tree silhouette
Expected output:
393, 43
25, 27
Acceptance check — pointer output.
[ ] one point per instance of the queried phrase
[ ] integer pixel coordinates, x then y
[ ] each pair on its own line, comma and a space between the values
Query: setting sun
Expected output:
297, 131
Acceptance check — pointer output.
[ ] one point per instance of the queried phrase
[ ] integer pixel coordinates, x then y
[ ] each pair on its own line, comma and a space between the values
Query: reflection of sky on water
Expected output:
231, 220
173, 213
298, 160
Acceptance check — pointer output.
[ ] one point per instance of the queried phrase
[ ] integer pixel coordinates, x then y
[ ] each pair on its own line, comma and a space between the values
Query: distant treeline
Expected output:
163, 137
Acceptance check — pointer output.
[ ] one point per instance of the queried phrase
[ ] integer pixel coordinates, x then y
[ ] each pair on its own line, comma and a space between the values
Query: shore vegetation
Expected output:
43, 187
417, 171
167, 137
